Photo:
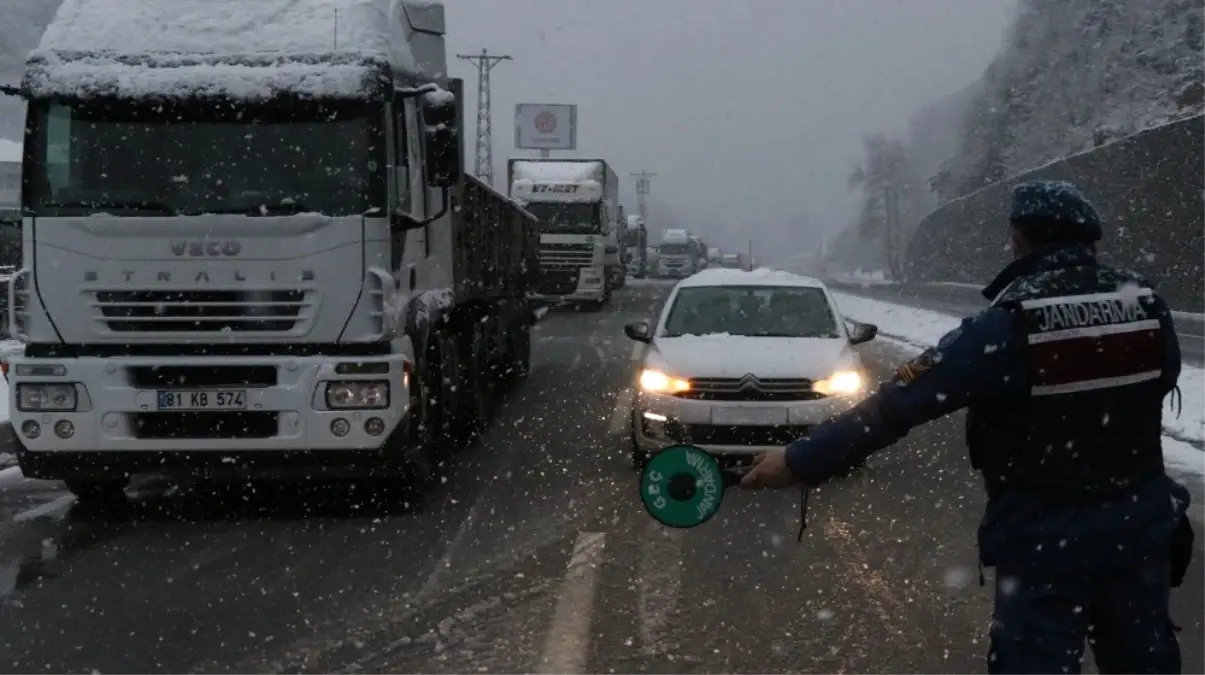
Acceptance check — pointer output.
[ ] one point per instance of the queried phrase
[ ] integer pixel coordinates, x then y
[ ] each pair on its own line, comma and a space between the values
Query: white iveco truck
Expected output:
577, 204
253, 248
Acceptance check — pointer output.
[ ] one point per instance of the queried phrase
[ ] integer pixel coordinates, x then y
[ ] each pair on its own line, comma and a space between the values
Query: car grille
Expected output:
200, 311
739, 389
711, 434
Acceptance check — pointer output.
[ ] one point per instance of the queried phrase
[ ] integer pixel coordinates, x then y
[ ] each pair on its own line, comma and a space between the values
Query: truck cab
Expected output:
577, 205
677, 256
235, 266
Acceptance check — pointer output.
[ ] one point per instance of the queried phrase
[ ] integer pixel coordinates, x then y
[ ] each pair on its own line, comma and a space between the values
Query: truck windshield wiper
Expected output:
157, 207
285, 209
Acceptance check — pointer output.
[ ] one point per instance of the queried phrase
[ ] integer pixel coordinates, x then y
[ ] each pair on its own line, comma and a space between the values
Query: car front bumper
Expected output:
660, 421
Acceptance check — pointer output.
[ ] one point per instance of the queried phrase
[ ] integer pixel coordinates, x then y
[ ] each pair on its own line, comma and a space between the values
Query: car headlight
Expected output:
841, 383
362, 394
659, 383
37, 397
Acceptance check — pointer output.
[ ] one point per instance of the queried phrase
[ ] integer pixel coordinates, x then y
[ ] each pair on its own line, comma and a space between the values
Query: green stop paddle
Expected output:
682, 486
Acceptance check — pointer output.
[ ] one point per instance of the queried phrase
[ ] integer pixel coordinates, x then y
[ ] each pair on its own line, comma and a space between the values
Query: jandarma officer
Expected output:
1063, 378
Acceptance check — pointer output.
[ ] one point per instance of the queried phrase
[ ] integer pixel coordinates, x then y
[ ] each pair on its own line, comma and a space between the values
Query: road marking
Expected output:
621, 414
568, 642
660, 579
444, 564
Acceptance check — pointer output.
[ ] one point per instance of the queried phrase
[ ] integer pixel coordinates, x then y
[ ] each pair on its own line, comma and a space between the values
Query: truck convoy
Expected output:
577, 204
680, 254
255, 247
636, 241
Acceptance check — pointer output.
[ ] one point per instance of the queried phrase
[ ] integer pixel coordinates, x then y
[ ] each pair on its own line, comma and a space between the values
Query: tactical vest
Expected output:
1091, 425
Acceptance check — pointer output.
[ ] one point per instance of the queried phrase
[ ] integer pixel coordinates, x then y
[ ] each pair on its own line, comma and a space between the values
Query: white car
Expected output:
742, 362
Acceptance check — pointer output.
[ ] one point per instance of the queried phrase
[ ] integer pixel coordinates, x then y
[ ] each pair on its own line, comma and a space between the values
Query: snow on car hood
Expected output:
734, 356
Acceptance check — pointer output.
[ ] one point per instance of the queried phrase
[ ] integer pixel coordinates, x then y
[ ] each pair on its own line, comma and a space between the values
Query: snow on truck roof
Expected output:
239, 48
556, 172
763, 276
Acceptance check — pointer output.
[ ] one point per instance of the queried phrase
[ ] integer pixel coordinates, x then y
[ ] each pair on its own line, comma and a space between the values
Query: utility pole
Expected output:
643, 184
485, 141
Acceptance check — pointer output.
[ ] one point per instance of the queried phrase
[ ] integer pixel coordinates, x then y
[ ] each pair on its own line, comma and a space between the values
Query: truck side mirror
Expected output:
441, 137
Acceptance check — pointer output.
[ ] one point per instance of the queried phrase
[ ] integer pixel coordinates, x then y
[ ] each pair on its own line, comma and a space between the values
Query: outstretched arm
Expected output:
975, 360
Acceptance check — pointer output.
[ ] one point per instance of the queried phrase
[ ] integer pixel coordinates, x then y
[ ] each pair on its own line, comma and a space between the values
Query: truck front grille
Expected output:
565, 256
275, 311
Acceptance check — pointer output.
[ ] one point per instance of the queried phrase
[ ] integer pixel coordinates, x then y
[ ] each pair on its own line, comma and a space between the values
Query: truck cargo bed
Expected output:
496, 244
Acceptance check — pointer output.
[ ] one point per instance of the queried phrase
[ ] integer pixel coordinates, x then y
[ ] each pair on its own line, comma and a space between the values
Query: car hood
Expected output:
735, 356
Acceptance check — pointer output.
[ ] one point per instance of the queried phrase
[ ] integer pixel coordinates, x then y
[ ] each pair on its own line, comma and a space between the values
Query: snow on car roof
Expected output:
763, 276
233, 47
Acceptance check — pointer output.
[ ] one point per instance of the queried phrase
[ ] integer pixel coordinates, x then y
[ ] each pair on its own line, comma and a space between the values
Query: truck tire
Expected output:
520, 355
445, 372
476, 389
419, 445
640, 458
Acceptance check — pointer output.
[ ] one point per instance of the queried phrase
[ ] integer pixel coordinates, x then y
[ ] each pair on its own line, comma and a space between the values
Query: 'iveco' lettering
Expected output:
203, 247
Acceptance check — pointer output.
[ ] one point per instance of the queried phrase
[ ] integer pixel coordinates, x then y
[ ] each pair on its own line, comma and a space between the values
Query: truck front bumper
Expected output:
118, 405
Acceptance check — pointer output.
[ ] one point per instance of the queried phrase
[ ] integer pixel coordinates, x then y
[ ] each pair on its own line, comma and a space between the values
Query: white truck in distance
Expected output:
714, 256
249, 247
577, 204
678, 256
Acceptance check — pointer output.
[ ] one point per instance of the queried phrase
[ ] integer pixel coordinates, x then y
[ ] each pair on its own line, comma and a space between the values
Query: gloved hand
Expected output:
770, 470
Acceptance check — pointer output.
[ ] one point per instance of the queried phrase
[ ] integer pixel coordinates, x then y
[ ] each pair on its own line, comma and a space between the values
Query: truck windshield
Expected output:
204, 157
567, 217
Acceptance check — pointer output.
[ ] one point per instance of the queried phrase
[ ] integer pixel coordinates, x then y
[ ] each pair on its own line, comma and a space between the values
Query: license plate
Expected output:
748, 415
206, 399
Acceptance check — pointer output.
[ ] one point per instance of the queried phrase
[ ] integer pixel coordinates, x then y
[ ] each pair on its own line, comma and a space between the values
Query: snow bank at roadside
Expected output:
921, 328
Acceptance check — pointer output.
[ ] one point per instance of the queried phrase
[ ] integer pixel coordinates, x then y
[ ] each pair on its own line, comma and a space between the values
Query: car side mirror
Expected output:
638, 331
861, 332
441, 138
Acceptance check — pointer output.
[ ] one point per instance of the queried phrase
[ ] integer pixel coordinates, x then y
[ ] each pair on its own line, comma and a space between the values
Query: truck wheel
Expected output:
476, 390
520, 364
420, 448
98, 492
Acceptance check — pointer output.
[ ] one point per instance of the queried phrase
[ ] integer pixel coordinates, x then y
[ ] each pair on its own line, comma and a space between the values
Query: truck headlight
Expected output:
357, 394
841, 383
657, 382
38, 397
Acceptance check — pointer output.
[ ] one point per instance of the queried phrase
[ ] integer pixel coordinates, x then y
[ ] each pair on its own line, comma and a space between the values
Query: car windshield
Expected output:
754, 311
204, 157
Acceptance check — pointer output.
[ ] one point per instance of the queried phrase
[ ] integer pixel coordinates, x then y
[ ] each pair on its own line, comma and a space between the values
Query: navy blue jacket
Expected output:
982, 360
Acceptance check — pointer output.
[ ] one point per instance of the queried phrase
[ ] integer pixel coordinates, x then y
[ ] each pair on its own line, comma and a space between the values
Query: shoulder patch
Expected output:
913, 369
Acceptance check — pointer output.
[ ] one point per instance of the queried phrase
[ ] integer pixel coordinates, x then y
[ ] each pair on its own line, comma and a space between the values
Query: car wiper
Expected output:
157, 207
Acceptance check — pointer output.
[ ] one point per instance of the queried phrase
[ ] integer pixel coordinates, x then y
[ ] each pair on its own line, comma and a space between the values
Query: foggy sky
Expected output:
751, 112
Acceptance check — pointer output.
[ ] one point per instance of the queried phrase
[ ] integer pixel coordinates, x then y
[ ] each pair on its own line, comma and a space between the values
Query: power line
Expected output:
485, 143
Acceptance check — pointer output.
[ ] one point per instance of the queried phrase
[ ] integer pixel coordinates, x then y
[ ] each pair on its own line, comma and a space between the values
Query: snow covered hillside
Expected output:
1073, 75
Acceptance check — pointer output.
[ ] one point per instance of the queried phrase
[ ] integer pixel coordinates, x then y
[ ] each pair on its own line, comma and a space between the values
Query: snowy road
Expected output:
535, 555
